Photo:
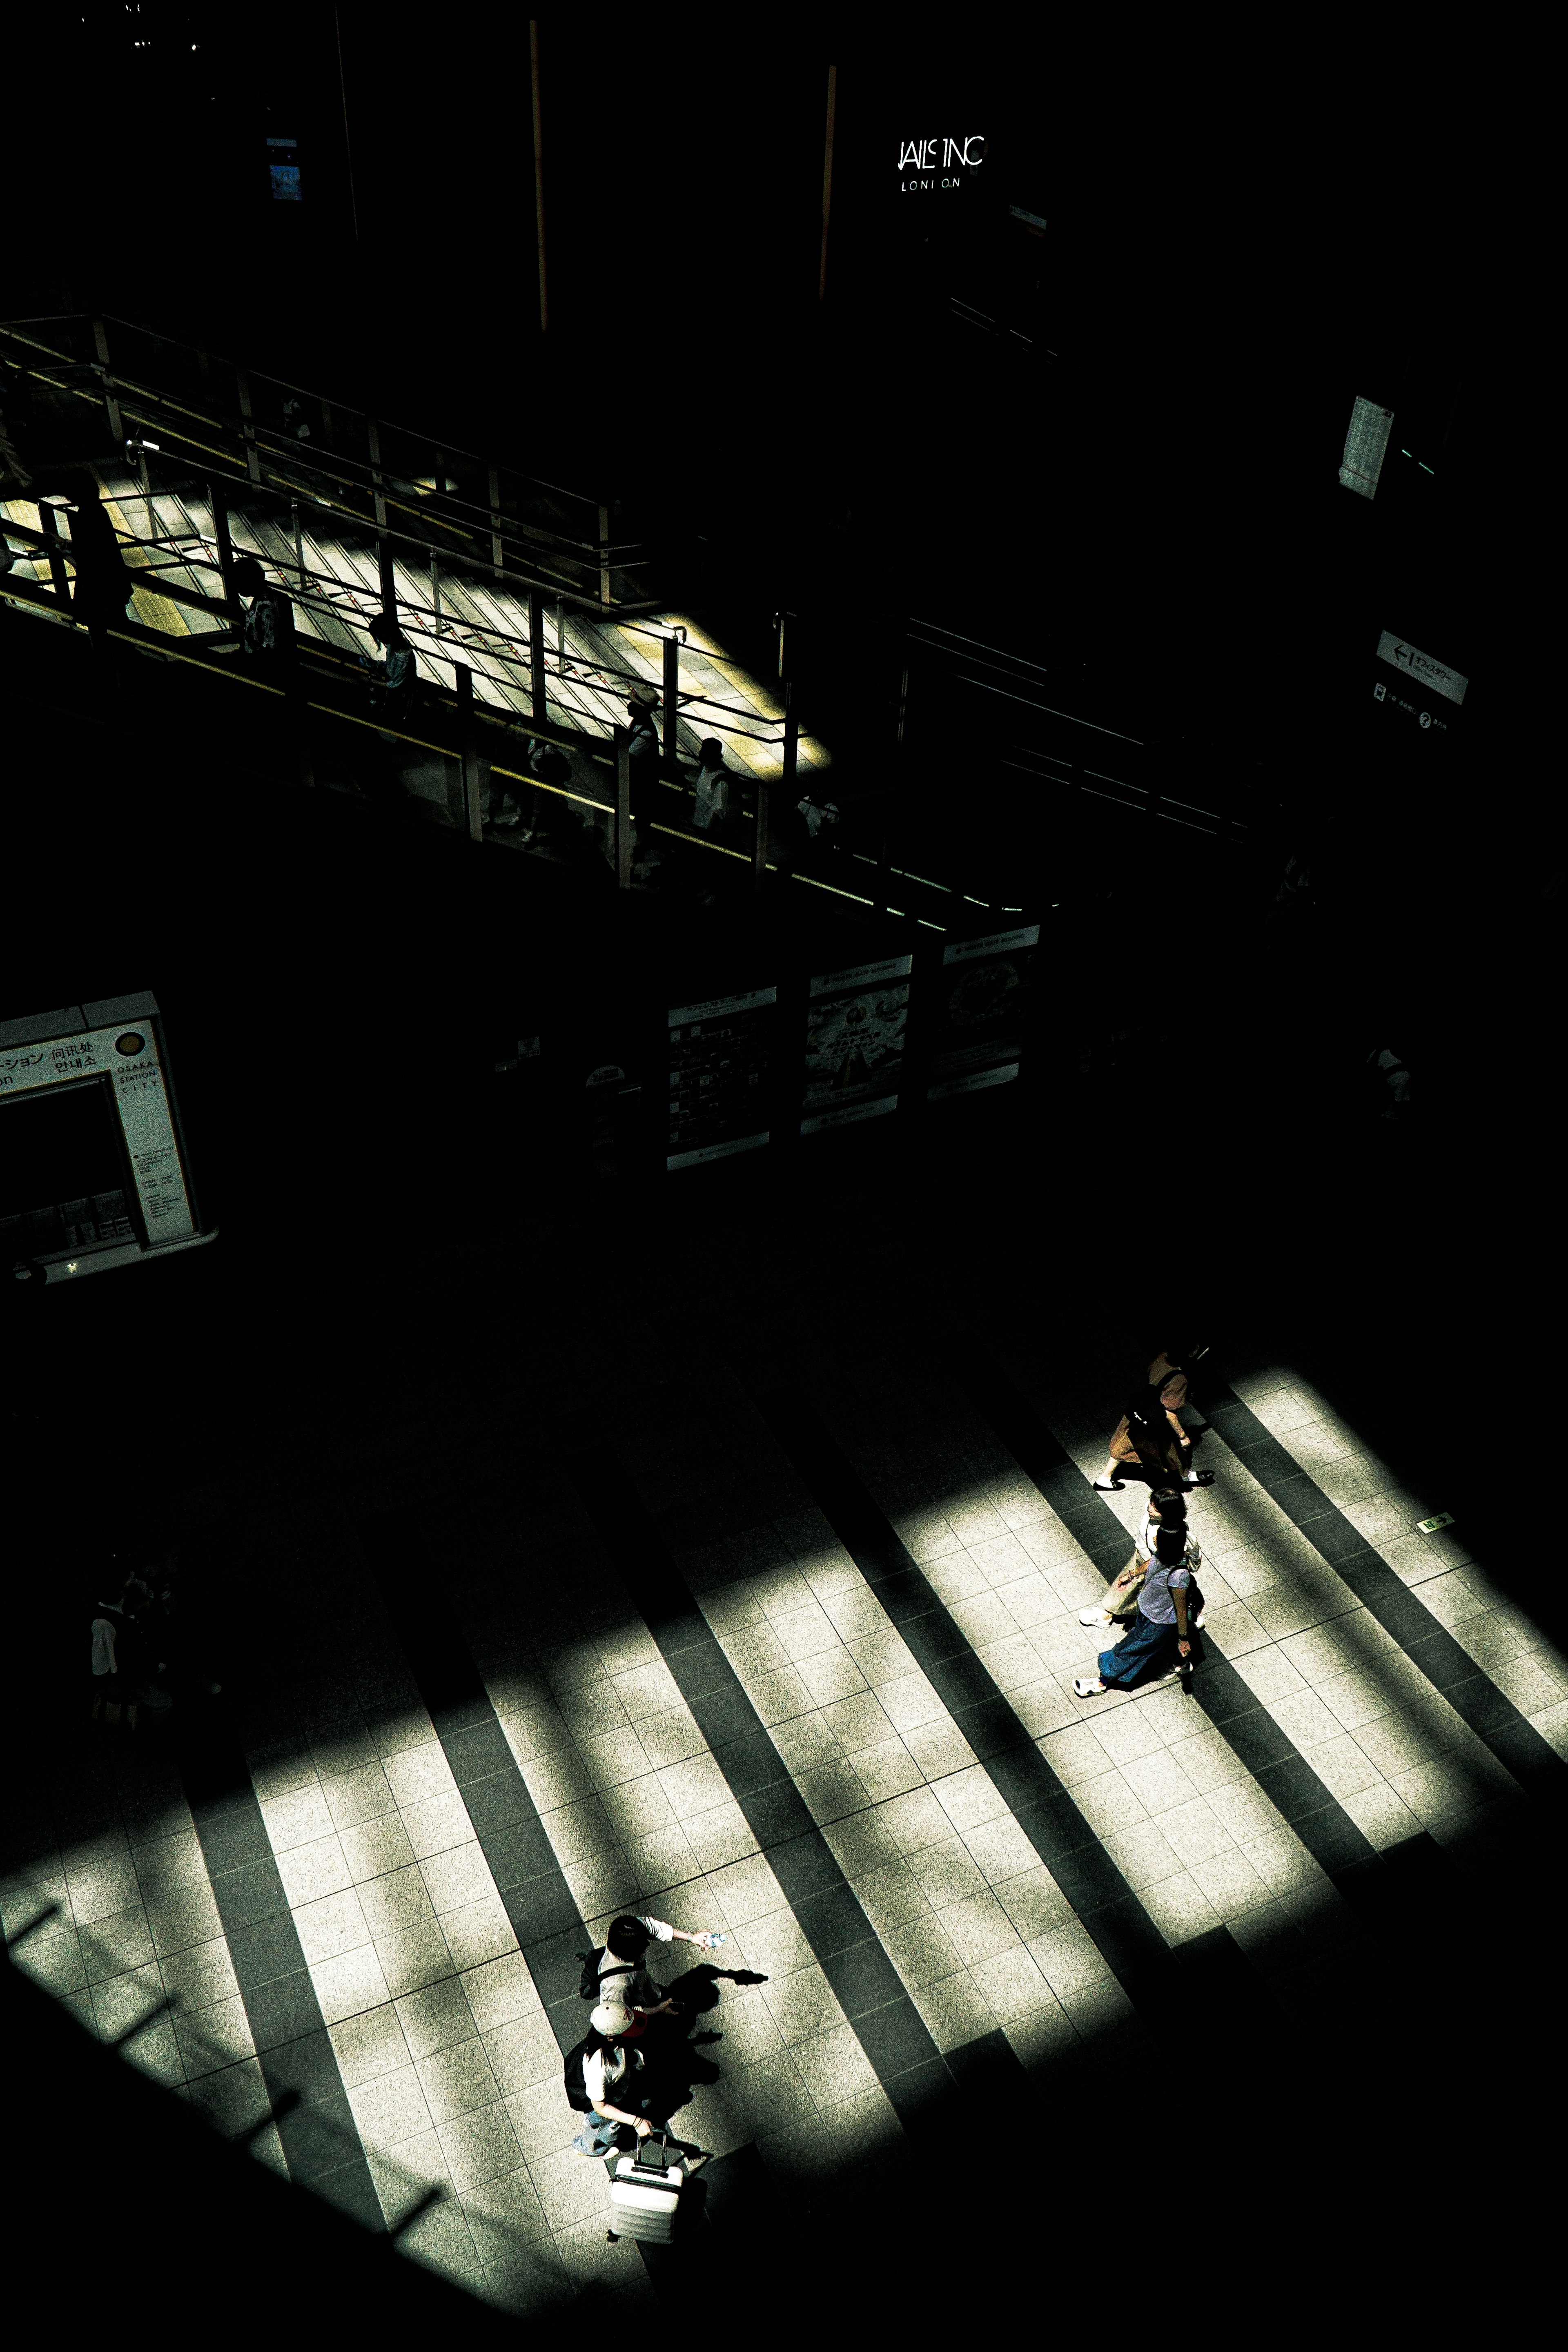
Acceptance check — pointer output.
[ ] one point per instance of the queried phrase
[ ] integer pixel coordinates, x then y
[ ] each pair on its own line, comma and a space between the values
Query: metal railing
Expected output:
160, 395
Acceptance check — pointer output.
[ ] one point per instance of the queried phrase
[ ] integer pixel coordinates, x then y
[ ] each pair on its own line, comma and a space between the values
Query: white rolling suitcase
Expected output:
645, 2194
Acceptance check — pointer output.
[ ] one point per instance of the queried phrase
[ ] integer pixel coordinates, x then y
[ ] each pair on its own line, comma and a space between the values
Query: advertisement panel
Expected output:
719, 1078
980, 1019
854, 1027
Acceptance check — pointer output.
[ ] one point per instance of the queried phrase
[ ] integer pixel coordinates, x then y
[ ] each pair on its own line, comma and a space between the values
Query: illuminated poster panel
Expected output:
719, 1078
1366, 445
855, 1026
980, 1021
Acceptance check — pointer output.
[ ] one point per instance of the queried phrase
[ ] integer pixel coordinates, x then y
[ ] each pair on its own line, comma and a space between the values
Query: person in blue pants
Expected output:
1160, 1638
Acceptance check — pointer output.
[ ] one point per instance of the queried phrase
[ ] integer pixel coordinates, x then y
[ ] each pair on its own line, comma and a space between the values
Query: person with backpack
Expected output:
617, 1974
1161, 1637
607, 2080
1149, 1430
1167, 1509
266, 622
618, 1971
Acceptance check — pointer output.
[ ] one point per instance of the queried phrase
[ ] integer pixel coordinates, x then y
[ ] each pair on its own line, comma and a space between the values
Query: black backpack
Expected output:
577, 2097
589, 1982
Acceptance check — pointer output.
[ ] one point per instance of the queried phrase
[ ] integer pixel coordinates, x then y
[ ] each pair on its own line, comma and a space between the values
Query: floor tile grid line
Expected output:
134, 1947
1374, 1808
1494, 1718
1236, 1852
523, 1868
450, 1942
319, 2137
1491, 1715
490, 1783
1448, 1673
927, 2092
1426, 1893
1319, 1439
1050, 1976
1271, 1935
1443, 1572
658, 1892
316, 1816
1308, 1809
1129, 1939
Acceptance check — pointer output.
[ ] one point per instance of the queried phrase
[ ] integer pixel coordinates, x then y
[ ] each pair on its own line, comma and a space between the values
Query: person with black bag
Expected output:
1150, 1431
1167, 1509
1162, 1637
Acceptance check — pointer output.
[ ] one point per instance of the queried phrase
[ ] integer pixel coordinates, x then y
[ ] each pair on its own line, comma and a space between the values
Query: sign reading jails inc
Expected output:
926, 164
1366, 445
127, 1057
719, 1078
855, 1025
980, 1023
1420, 669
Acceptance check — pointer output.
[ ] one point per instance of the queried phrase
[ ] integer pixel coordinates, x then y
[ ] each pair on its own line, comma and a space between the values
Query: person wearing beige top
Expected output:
1150, 1431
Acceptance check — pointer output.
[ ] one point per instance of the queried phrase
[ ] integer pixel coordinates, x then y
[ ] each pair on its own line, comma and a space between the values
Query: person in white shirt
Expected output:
1167, 1509
710, 804
1161, 1636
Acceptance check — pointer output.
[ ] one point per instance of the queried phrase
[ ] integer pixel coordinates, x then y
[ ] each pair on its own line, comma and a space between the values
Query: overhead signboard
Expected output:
1366, 445
719, 1055
855, 1025
1421, 669
980, 1021
93, 1170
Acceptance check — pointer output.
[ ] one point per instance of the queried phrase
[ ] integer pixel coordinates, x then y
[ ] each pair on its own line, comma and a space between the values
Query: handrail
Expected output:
63, 318
490, 636
221, 461
40, 600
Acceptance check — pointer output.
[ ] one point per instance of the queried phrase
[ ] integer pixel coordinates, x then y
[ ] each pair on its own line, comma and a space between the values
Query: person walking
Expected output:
1167, 1509
628, 2086
266, 621
644, 752
711, 802
1162, 1637
392, 677
1150, 1431
107, 1632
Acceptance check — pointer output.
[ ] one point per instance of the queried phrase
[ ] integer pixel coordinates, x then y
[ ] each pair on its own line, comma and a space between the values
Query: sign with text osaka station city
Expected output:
927, 165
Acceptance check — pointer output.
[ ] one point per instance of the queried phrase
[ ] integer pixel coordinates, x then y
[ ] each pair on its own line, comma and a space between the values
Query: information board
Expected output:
855, 1026
719, 1078
980, 1021
76, 1085
1366, 444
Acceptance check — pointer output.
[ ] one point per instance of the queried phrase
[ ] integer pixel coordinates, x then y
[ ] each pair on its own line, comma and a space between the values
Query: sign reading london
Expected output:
925, 164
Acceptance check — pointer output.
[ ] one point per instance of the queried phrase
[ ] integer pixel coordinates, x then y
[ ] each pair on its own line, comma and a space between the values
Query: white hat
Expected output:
611, 2016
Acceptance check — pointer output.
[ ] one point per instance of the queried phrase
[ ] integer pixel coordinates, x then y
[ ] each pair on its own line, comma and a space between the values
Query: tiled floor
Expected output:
459, 1388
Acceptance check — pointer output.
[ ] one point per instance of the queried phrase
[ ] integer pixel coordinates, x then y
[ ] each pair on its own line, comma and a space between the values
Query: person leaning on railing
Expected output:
392, 677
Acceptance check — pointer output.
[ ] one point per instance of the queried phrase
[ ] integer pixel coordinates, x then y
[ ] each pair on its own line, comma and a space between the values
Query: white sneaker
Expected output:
1094, 1617
1087, 1689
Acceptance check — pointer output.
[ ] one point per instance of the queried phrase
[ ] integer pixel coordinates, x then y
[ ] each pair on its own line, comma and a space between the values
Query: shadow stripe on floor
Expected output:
532, 1886
935, 2098
314, 2122
1410, 1896
1489, 1712
1211, 1972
